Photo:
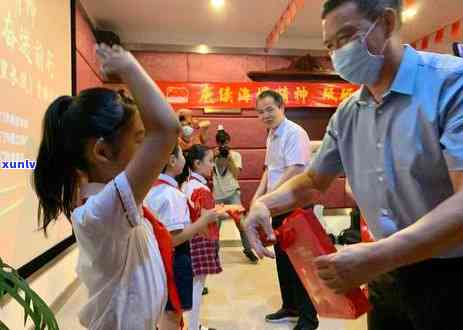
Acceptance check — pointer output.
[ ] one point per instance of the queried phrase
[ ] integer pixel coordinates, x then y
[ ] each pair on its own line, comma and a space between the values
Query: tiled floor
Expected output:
239, 298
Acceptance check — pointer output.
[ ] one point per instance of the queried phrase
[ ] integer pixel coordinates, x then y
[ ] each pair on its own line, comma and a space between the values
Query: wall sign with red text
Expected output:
243, 95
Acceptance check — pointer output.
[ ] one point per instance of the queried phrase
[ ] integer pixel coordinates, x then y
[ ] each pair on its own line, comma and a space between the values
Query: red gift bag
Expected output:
365, 234
303, 238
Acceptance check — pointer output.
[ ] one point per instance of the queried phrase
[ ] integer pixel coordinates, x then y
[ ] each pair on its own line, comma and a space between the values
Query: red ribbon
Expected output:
165, 247
160, 182
236, 216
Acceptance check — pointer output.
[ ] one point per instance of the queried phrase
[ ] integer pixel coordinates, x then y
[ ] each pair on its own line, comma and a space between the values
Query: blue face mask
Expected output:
354, 62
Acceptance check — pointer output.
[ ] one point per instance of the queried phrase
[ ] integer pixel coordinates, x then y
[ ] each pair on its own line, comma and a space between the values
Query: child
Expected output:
99, 138
204, 247
170, 205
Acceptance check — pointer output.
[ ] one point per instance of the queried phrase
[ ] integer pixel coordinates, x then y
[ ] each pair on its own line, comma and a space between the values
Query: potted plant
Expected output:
34, 307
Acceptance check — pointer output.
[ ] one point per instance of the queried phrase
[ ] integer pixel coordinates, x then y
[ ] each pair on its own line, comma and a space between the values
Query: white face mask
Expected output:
187, 131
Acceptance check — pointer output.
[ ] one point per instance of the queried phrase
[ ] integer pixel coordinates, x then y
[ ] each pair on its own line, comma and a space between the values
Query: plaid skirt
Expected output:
205, 258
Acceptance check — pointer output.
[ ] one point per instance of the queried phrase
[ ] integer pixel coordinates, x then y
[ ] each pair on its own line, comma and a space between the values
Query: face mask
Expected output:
187, 131
356, 64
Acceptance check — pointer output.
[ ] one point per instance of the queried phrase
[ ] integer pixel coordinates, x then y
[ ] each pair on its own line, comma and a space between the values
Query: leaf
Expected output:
28, 303
38, 315
2, 325
34, 307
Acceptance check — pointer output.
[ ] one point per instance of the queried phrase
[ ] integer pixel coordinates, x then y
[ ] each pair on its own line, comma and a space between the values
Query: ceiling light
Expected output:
217, 4
202, 49
409, 13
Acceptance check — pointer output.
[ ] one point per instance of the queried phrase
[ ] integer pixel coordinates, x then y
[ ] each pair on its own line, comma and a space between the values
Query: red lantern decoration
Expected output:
285, 20
439, 36
425, 43
456, 29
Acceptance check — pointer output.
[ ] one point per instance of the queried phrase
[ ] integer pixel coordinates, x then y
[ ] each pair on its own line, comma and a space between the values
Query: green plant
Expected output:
34, 307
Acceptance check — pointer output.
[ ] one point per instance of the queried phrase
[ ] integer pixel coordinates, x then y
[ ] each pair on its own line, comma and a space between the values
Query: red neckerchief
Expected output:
165, 247
161, 181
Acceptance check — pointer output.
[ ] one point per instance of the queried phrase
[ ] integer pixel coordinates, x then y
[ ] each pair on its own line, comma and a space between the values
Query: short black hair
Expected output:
372, 9
175, 152
274, 95
222, 136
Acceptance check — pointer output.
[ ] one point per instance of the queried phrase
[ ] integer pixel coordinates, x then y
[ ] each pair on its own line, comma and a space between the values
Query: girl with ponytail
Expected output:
99, 154
170, 205
204, 247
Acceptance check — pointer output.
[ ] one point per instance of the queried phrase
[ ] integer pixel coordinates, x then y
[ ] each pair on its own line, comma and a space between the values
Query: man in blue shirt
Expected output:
399, 141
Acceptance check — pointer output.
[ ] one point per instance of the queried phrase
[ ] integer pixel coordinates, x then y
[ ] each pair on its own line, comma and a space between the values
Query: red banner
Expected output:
243, 95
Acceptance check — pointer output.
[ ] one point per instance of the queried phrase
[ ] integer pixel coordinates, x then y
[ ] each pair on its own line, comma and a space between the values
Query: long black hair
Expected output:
196, 152
68, 124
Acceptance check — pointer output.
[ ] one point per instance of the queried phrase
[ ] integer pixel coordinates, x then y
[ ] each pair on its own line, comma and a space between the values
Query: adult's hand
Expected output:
351, 267
259, 217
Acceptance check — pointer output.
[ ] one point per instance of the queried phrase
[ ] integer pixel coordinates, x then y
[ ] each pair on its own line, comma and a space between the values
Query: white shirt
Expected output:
169, 204
196, 181
119, 260
225, 184
287, 145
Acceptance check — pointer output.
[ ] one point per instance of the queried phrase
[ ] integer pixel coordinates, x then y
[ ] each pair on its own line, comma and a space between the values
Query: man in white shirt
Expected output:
288, 154
227, 167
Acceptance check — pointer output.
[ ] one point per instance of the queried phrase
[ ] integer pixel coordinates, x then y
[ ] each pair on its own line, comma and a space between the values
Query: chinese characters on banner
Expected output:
18, 45
243, 95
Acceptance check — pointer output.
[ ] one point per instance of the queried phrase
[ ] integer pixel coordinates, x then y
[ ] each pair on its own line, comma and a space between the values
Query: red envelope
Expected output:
303, 238
235, 212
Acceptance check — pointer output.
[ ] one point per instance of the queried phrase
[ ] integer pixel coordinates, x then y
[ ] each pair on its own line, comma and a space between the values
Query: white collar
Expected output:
279, 130
168, 179
199, 177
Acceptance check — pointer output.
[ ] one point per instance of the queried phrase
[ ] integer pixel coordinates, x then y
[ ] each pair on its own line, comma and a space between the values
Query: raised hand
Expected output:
115, 60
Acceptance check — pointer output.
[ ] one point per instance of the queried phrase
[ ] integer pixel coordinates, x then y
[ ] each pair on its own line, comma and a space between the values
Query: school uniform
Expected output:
170, 205
204, 250
120, 262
